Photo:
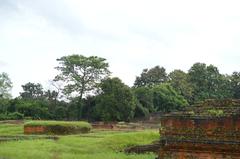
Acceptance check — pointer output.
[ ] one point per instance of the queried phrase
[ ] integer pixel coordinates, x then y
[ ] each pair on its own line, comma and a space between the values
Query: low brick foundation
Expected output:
106, 126
55, 129
34, 129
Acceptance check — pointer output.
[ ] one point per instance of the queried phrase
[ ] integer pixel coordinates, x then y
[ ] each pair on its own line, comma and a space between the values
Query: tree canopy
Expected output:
32, 91
144, 106
208, 83
83, 90
235, 80
150, 77
166, 99
116, 102
5, 85
80, 73
179, 80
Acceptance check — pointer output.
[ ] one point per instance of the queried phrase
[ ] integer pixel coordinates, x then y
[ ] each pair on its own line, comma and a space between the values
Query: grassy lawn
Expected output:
11, 129
96, 145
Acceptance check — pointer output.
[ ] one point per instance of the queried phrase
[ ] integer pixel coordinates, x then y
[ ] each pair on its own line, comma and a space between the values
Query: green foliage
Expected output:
81, 74
153, 76
4, 105
89, 112
208, 83
215, 112
11, 116
60, 113
179, 81
15, 116
144, 106
32, 91
140, 111
5, 85
235, 83
116, 102
166, 99
37, 109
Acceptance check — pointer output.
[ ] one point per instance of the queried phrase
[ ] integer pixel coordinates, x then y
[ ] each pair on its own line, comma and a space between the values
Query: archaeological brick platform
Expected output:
207, 130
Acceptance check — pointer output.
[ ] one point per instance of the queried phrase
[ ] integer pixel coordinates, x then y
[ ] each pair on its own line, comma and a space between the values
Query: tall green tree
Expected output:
166, 99
81, 75
5, 85
208, 83
179, 81
89, 112
52, 97
4, 105
32, 91
150, 77
116, 102
235, 82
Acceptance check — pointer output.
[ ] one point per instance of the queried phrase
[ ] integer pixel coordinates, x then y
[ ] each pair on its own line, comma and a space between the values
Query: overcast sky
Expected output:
130, 34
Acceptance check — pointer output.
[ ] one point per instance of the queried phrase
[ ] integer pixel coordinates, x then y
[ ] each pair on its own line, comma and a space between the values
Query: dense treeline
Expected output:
85, 90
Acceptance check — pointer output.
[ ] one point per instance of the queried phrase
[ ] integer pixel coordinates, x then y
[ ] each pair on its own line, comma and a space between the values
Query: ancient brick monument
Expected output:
208, 130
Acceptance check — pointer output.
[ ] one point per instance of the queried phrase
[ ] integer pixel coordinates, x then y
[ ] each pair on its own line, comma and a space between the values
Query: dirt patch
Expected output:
118, 126
11, 122
23, 137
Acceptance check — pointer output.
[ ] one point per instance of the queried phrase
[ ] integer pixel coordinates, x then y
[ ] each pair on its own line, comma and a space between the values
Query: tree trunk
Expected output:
79, 109
79, 106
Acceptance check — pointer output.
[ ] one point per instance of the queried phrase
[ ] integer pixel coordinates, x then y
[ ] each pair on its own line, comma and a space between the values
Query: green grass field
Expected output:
95, 145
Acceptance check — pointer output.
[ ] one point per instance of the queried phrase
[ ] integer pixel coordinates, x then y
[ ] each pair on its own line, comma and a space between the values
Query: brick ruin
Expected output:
208, 130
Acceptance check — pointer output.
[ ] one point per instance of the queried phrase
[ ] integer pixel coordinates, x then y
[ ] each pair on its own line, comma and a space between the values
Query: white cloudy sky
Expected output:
130, 34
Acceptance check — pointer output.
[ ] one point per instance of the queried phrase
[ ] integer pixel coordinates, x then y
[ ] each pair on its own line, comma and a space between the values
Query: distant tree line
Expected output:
83, 89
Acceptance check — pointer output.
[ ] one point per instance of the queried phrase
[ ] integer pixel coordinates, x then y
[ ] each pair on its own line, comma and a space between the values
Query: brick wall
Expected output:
202, 136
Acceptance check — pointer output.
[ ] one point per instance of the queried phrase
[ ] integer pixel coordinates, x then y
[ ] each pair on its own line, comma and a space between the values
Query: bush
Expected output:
3, 117
56, 127
11, 116
16, 116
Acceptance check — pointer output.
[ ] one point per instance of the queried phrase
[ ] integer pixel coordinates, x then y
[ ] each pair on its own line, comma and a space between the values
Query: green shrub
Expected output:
3, 116
11, 116
16, 116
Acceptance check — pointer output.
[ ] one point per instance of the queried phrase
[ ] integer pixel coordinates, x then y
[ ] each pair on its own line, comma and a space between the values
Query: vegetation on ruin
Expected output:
58, 123
215, 112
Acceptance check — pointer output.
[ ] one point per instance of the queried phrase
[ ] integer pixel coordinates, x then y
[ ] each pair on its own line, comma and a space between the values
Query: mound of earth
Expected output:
56, 127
